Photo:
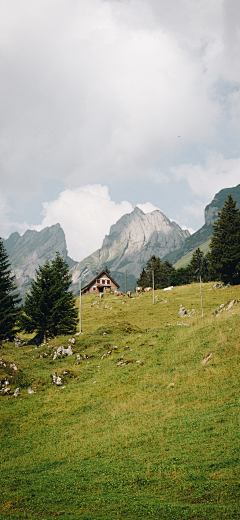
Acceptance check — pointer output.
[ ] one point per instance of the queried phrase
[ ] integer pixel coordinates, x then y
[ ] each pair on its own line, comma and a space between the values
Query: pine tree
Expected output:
198, 266
49, 308
8, 300
162, 272
225, 243
107, 270
142, 280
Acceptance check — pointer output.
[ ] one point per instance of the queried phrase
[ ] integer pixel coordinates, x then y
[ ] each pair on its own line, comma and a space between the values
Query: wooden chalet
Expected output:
100, 283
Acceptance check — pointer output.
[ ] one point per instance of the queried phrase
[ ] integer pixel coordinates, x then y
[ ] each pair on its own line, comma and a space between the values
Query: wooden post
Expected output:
201, 294
126, 282
153, 284
80, 308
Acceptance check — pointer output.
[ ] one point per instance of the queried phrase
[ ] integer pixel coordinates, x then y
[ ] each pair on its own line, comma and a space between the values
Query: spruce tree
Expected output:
8, 300
225, 243
49, 308
198, 266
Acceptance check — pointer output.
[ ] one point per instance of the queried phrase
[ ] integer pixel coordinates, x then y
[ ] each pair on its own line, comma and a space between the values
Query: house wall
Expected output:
106, 287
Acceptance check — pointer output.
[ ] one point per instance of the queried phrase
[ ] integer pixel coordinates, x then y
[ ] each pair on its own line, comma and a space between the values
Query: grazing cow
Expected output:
147, 289
168, 288
129, 294
118, 293
139, 289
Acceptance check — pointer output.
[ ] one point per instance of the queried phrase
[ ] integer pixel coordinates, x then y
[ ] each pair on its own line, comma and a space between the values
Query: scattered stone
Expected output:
61, 351
138, 361
19, 342
31, 391
94, 382
72, 341
170, 384
206, 359
114, 348
78, 357
182, 312
231, 304
85, 356
17, 392
109, 352
186, 324
57, 380
104, 334
12, 365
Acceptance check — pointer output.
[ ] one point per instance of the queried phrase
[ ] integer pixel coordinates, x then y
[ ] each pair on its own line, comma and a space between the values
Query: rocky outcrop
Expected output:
32, 249
131, 242
204, 233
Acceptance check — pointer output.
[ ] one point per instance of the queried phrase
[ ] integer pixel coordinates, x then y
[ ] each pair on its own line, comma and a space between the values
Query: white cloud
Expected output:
100, 90
206, 180
148, 207
85, 214
191, 230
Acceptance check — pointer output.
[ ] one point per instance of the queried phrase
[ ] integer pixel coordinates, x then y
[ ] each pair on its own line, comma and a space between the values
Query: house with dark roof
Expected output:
100, 283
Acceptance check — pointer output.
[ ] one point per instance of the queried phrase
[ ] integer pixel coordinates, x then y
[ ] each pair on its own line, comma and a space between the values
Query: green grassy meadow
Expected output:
186, 259
155, 438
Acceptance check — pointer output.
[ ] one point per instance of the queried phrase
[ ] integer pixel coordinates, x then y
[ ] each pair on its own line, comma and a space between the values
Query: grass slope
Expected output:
118, 441
186, 259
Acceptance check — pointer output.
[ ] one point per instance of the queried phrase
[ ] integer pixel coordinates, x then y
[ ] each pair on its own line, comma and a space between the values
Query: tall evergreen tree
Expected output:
49, 309
162, 273
225, 243
198, 266
8, 300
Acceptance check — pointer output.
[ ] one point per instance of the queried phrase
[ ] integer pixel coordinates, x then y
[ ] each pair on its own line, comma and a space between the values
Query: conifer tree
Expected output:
8, 300
225, 243
49, 308
143, 279
198, 266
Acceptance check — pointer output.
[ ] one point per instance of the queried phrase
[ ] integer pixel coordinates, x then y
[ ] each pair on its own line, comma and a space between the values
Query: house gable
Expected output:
101, 282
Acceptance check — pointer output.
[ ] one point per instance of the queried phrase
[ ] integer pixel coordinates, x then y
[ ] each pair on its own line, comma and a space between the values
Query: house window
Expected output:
103, 281
108, 282
98, 281
94, 288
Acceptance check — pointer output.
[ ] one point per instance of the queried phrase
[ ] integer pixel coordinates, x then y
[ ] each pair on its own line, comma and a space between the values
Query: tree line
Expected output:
49, 308
222, 262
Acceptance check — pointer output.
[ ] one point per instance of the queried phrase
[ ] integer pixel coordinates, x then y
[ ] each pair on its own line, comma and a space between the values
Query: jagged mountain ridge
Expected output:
131, 242
204, 233
32, 249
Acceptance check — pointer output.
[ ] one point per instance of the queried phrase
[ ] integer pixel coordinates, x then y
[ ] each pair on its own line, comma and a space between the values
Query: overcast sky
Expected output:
107, 104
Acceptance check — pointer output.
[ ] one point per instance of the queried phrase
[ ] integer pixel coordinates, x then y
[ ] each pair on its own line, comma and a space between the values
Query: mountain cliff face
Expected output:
204, 233
32, 249
131, 242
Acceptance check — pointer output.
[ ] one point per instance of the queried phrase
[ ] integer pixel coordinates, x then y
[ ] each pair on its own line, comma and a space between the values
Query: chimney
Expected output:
96, 272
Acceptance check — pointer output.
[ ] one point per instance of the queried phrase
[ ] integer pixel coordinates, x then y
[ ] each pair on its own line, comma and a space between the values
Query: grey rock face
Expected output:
212, 209
131, 242
204, 233
32, 249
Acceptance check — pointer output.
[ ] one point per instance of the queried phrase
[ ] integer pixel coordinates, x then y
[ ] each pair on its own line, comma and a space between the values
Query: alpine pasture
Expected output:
148, 429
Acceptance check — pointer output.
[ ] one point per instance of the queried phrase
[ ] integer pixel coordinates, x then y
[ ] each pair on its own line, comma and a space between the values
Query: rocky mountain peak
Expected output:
32, 249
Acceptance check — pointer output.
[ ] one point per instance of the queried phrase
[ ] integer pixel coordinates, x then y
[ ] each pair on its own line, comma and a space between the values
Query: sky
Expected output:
110, 104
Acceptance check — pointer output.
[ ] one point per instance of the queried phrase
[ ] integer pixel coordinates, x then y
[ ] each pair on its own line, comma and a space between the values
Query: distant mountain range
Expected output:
131, 242
32, 249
